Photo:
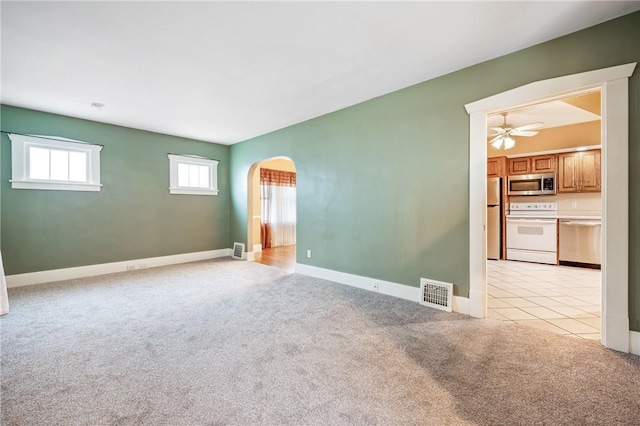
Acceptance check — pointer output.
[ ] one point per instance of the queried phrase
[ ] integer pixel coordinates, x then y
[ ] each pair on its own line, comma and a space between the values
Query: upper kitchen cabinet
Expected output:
520, 166
536, 164
496, 166
579, 171
543, 163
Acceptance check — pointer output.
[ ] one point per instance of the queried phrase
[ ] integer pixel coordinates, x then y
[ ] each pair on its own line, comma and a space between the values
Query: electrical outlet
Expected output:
309, 253
375, 287
574, 204
131, 267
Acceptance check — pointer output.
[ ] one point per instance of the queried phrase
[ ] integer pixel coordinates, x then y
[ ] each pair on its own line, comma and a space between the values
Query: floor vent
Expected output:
238, 250
436, 294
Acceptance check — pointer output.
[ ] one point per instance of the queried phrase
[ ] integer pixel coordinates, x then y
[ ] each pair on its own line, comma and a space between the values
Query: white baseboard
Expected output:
40, 277
257, 248
615, 332
476, 304
250, 256
634, 342
459, 304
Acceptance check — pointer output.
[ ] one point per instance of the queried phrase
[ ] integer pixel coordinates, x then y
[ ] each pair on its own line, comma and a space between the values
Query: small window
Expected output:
192, 175
52, 163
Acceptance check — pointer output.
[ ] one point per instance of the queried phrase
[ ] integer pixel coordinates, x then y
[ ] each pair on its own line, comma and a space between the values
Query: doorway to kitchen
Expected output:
614, 85
271, 213
544, 215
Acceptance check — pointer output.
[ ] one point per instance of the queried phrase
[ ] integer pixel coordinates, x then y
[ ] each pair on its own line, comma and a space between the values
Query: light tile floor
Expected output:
561, 299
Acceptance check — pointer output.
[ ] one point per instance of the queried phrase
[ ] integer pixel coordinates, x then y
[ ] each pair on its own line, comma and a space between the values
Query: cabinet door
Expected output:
579, 172
496, 166
567, 173
543, 164
590, 171
520, 166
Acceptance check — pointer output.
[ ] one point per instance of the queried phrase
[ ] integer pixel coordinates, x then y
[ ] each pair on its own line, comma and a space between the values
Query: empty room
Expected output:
300, 213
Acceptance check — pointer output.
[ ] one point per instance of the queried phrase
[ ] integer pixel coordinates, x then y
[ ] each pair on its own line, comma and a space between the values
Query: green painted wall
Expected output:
383, 185
133, 217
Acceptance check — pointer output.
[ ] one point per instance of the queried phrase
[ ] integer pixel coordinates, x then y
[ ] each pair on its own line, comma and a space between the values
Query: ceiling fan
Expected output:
503, 135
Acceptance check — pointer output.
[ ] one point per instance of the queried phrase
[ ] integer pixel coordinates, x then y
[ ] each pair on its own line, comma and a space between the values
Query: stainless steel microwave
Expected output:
538, 184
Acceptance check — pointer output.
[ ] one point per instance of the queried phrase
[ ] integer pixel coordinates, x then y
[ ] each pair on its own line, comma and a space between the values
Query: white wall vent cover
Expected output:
436, 294
238, 250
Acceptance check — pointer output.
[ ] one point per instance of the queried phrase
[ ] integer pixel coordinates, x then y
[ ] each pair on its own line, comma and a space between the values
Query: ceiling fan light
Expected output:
509, 143
497, 143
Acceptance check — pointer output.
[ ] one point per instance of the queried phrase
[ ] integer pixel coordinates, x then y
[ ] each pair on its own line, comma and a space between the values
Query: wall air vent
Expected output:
238, 250
436, 294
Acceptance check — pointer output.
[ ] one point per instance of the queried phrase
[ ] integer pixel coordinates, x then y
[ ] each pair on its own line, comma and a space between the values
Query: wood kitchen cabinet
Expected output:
496, 167
543, 163
579, 171
535, 164
520, 166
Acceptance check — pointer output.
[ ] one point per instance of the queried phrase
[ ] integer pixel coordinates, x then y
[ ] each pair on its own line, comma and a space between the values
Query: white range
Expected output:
532, 232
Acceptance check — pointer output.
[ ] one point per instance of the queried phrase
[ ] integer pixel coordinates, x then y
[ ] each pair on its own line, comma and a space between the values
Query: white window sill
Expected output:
57, 186
185, 191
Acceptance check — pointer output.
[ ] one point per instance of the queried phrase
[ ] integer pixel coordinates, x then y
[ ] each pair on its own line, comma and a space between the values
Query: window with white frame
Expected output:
192, 175
53, 163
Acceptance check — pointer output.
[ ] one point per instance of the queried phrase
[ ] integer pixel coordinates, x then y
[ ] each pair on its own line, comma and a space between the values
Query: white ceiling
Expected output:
551, 114
228, 71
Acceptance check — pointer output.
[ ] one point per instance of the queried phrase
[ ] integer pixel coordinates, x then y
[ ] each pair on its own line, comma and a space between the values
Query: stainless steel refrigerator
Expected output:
494, 218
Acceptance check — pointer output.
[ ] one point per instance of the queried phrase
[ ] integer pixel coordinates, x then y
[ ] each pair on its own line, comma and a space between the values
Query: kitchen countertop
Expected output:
559, 216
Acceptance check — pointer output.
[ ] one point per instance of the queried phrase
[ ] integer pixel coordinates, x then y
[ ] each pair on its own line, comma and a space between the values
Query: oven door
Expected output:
531, 234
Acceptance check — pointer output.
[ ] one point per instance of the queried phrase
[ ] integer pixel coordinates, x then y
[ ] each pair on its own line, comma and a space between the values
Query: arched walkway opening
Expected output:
271, 212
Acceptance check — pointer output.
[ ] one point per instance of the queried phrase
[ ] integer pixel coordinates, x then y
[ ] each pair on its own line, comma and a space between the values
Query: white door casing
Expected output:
614, 85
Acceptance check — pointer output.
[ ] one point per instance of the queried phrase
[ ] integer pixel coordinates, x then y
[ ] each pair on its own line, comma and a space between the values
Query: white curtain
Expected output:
278, 207
4, 298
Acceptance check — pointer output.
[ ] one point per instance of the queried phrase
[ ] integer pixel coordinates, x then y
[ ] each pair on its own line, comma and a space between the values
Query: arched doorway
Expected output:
271, 222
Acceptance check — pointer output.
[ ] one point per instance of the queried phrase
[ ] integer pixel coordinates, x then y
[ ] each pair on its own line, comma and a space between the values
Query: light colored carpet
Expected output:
231, 342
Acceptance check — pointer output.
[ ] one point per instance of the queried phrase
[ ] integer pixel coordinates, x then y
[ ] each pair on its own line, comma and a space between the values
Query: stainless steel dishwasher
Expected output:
580, 241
